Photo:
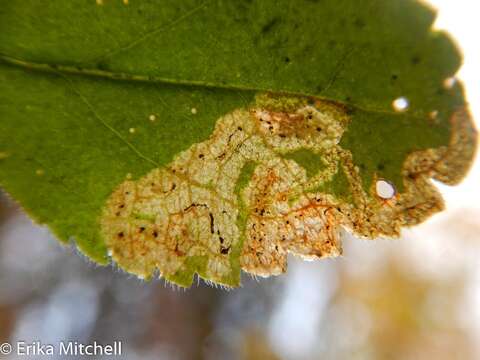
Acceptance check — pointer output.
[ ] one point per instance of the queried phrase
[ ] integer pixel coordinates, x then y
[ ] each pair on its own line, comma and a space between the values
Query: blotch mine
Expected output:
247, 196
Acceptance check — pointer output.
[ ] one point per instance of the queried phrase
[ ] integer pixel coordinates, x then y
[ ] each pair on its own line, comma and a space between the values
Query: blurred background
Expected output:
417, 297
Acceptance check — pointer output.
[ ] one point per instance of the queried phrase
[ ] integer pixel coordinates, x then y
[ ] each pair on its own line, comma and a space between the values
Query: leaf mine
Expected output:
239, 201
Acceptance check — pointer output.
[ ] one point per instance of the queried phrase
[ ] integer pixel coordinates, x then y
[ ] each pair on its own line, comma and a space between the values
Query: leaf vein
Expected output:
151, 33
107, 125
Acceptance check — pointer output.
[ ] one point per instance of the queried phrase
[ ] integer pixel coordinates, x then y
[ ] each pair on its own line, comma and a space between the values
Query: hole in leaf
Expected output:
385, 189
400, 104
449, 83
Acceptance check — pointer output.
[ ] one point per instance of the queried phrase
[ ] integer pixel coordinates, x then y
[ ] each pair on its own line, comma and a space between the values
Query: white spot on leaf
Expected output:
400, 104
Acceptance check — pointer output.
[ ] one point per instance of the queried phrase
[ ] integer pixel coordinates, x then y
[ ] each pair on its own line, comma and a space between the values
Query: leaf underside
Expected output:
214, 136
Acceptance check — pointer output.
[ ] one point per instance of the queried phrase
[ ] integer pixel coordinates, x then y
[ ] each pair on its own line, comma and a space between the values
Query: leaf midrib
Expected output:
121, 76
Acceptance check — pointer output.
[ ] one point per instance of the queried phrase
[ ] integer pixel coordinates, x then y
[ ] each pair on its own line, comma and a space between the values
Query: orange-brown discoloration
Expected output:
190, 207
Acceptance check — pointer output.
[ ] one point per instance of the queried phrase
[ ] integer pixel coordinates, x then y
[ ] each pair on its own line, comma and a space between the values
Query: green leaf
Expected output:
100, 97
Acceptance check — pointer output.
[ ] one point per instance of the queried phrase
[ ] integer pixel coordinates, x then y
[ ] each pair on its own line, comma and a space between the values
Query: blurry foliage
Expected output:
411, 317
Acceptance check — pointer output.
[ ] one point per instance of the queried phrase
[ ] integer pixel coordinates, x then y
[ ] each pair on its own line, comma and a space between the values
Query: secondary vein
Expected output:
104, 123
